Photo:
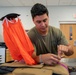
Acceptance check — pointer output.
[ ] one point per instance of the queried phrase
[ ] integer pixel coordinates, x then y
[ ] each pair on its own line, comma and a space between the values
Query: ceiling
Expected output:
32, 2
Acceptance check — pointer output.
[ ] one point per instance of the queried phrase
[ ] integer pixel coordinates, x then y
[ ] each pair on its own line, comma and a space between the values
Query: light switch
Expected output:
74, 42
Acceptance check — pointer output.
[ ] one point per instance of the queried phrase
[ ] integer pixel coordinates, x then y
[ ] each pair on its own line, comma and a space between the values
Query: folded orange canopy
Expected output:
17, 41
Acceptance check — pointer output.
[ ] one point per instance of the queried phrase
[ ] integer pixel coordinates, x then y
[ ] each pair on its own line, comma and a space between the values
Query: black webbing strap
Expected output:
5, 69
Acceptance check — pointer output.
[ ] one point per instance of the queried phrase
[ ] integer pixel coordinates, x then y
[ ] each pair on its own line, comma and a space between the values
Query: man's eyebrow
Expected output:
38, 21
45, 19
41, 20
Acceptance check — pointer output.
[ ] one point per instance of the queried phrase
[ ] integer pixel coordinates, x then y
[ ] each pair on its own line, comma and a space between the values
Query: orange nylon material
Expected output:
18, 41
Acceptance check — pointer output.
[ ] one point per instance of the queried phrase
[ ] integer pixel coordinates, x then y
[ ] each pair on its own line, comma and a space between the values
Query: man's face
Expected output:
41, 23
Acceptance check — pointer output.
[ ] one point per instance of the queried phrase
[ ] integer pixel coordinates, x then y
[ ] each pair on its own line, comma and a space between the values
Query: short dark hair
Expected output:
38, 9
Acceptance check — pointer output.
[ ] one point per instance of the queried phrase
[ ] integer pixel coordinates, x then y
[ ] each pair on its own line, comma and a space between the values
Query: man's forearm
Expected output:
35, 57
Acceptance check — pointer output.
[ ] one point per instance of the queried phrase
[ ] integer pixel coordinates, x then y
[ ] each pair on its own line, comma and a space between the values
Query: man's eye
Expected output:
38, 21
45, 20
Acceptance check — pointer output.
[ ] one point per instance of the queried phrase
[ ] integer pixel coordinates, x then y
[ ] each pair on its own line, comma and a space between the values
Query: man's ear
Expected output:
33, 20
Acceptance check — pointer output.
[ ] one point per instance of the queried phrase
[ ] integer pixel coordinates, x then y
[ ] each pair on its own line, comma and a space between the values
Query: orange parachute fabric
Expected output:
18, 41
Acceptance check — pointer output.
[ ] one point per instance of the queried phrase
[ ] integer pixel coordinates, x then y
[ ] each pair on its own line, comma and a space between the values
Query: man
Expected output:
49, 42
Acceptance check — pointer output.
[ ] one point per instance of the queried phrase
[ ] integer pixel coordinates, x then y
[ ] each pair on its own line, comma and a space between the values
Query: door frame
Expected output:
67, 22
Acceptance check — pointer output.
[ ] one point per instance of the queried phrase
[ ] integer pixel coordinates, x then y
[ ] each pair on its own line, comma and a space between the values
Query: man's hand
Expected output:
62, 49
50, 59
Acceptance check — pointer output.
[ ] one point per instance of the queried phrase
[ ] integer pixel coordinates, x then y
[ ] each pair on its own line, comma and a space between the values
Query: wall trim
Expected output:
67, 22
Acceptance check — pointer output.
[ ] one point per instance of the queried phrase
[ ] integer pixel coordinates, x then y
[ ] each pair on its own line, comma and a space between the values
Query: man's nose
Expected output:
42, 24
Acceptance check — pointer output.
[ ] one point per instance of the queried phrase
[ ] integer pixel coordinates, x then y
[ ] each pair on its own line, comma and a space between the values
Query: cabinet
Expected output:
8, 56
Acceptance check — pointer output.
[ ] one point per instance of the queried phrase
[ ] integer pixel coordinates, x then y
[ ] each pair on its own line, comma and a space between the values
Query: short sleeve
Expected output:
61, 38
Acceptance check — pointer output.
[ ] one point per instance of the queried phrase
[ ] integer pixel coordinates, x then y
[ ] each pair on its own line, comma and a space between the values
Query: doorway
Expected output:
69, 30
